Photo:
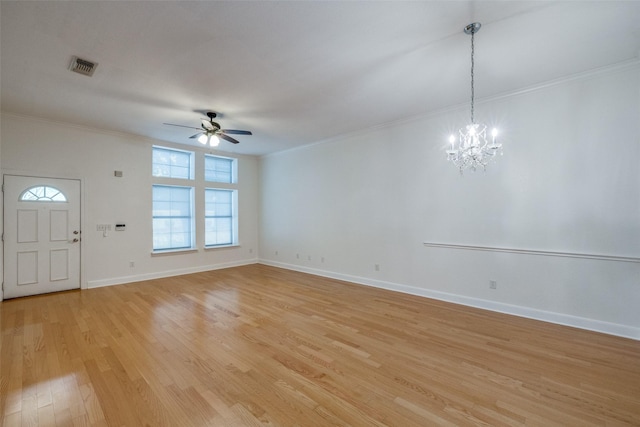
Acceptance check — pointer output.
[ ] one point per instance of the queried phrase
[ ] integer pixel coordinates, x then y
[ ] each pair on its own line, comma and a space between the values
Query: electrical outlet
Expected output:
132, 264
309, 257
376, 267
297, 256
493, 284
322, 259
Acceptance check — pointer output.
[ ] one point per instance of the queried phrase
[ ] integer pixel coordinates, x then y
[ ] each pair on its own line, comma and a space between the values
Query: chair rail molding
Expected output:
533, 252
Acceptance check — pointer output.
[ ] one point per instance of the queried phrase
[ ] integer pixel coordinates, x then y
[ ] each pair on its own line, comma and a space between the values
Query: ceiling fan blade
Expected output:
196, 135
236, 132
180, 126
207, 124
228, 138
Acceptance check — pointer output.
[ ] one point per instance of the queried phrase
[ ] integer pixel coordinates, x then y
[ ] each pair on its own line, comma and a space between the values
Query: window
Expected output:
219, 169
220, 221
172, 218
42, 193
186, 214
171, 163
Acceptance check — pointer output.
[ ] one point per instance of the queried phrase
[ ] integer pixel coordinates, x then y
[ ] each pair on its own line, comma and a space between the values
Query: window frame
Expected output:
233, 216
233, 174
191, 171
191, 218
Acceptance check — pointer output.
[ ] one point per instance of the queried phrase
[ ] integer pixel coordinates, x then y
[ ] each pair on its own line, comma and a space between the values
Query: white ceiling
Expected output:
293, 72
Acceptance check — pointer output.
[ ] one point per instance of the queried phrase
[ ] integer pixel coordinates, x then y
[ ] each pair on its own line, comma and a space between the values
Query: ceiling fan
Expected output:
210, 131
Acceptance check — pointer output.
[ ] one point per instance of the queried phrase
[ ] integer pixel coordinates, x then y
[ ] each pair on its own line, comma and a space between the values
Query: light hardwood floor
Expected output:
258, 345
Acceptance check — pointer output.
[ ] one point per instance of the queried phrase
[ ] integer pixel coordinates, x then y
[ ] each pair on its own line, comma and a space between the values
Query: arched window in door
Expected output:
42, 193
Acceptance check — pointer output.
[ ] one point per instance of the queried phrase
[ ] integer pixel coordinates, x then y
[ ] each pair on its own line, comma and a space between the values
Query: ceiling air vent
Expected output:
82, 66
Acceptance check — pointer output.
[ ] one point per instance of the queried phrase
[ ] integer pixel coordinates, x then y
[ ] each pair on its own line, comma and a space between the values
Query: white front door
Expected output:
41, 235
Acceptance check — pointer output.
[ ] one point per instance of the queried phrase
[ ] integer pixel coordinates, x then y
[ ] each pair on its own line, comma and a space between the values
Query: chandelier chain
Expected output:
472, 67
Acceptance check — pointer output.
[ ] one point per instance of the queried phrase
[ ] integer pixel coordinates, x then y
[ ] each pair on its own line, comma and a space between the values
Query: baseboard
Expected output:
167, 273
515, 310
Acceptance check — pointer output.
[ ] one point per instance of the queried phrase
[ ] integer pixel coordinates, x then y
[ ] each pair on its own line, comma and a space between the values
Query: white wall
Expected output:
1, 222
41, 148
569, 181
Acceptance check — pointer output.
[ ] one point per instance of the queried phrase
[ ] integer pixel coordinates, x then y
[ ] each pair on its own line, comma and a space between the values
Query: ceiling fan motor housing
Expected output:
215, 128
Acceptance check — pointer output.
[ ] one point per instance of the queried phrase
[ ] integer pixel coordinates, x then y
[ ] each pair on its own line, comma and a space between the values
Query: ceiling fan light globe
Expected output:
202, 139
214, 141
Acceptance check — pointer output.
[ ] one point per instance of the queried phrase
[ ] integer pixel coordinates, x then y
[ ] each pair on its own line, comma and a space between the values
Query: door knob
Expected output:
75, 232
74, 240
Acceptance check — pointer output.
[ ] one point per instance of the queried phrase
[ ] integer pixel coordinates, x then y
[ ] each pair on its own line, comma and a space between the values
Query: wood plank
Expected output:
258, 345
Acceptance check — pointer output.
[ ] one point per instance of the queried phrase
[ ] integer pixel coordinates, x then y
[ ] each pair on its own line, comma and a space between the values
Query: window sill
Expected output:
233, 245
173, 251
192, 250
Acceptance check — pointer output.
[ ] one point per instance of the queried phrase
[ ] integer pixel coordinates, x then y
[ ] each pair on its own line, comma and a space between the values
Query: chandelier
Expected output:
473, 148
